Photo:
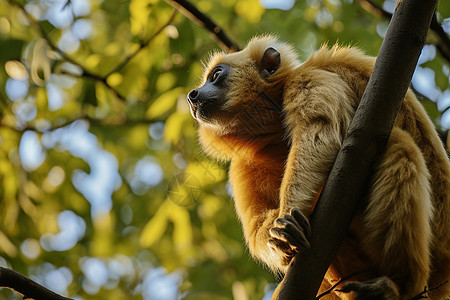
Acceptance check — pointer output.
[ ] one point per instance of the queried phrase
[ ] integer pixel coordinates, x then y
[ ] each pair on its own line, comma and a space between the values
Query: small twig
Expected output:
86, 74
66, 5
443, 45
374, 9
77, 117
28, 288
142, 45
33, 22
103, 81
33, 128
93, 121
190, 11
426, 290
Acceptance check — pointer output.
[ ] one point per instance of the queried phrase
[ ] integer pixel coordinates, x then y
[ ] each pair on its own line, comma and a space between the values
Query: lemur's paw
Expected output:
290, 234
381, 288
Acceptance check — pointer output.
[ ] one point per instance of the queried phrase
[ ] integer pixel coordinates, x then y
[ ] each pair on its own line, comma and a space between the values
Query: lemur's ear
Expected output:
271, 60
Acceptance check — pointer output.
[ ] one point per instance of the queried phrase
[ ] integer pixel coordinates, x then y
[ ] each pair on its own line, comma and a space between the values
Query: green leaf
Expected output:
164, 103
11, 49
89, 95
181, 44
154, 229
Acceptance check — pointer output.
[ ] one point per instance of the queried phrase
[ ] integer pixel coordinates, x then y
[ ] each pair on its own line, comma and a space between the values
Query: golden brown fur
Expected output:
280, 160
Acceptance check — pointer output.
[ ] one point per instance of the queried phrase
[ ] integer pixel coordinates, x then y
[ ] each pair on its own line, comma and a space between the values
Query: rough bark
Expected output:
365, 141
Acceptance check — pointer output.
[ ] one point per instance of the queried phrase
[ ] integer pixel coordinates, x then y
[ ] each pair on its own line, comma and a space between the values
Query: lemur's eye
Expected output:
215, 74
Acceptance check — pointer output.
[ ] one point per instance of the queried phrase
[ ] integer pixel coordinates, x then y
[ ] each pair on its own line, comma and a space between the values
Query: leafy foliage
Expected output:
104, 191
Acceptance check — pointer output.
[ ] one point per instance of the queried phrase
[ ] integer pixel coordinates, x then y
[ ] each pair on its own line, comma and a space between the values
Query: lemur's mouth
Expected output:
202, 111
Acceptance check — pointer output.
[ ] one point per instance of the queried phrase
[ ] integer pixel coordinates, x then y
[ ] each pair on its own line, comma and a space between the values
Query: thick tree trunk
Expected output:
365, 141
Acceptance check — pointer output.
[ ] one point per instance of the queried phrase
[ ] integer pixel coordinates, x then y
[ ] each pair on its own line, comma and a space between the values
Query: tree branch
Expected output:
97, 122
26, 287
365, 141
191, 12
423, 295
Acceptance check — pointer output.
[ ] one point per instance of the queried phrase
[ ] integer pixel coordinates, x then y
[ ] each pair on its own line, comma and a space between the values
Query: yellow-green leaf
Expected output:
154, 229
250, 10
174, 127
206, 172
163, 103
139, 13
182, 232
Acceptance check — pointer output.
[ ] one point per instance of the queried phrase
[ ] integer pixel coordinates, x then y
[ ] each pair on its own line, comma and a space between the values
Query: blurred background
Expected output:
104, 190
